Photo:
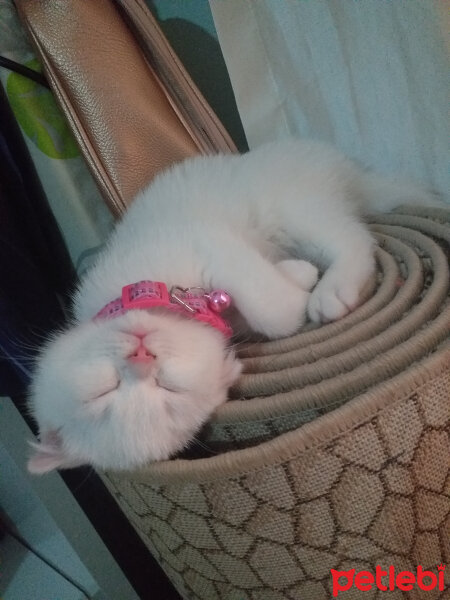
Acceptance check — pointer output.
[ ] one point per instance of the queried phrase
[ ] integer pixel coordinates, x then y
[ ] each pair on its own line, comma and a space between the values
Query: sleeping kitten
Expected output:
116, 391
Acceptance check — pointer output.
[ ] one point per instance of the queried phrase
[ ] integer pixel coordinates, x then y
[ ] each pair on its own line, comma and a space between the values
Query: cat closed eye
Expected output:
106, 391
169, 386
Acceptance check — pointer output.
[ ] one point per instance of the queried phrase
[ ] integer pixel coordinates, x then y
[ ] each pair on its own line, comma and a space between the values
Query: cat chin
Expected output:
127, 437
121, 445
92, 409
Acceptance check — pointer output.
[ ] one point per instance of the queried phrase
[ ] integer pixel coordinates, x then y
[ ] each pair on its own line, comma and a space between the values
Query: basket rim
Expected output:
309, 436
417, 361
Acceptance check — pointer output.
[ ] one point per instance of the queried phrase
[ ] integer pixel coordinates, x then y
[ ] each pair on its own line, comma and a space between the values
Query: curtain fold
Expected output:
369, 76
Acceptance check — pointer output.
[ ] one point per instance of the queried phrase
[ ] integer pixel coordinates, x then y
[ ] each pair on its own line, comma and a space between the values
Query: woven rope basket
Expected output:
333, 453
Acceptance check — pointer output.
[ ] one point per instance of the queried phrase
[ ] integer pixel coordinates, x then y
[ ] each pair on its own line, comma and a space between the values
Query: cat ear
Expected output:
48, 455
232, 369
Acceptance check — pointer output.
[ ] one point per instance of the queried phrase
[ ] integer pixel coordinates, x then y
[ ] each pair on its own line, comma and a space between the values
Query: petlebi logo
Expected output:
388, 580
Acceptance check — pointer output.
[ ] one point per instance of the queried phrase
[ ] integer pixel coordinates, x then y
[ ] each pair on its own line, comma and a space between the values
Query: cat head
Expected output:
121, 392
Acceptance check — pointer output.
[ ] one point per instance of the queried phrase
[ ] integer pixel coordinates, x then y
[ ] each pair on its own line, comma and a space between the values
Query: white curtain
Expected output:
370, 76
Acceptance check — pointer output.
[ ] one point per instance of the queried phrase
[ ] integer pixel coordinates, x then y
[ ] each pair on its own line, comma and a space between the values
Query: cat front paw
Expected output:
280, 315
301, 272
339, 290
332, 300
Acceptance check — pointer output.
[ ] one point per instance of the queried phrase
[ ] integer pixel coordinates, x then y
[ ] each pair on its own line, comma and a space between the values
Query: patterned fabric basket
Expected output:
333, 454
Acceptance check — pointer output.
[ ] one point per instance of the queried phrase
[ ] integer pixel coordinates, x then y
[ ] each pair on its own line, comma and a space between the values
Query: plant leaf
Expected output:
39, 116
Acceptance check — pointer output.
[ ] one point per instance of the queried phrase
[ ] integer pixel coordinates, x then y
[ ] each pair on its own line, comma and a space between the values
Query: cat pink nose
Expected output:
140, 360
141, 355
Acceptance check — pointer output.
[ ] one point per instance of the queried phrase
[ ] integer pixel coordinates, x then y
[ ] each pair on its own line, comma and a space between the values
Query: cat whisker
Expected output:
24, 345
25, 361
90, 472
198, 442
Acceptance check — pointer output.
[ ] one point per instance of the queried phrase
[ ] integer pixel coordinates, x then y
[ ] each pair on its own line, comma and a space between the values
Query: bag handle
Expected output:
191, 106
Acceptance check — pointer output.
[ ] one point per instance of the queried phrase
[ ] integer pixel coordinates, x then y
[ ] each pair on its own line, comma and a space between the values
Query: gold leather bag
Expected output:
130, 103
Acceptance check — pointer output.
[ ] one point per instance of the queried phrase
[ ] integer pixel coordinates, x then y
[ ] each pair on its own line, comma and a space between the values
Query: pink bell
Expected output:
219, 300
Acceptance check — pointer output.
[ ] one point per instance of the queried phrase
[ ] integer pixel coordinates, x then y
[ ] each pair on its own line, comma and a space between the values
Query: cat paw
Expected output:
279, 316
331, 301
300, 272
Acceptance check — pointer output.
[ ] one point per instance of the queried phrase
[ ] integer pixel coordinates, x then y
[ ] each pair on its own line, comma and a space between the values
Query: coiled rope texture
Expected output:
292, 381
333, 453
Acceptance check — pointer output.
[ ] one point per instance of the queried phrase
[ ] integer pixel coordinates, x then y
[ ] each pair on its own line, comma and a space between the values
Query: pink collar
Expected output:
191, 302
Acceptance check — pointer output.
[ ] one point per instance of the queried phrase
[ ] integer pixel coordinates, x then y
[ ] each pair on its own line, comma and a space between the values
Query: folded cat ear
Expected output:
48, 454
232, 369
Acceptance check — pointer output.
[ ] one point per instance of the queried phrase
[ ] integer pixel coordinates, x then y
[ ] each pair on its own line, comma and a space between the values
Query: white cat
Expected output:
116, 392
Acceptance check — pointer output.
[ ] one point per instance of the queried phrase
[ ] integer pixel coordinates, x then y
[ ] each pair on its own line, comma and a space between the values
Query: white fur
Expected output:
242, 223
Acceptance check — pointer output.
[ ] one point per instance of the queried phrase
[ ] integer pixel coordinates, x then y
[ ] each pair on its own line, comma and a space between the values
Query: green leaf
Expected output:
39, 116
